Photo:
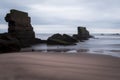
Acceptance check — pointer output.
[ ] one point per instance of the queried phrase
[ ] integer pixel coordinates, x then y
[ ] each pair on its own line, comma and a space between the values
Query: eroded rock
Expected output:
61, 39
19, 26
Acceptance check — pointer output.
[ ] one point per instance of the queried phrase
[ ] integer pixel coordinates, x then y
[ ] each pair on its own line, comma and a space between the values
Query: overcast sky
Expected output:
96, 15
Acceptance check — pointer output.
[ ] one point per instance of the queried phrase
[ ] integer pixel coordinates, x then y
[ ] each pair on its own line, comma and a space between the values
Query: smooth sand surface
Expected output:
57, 66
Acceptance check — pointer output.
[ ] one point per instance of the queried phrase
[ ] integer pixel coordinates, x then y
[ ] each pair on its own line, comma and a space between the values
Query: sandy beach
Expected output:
58, 66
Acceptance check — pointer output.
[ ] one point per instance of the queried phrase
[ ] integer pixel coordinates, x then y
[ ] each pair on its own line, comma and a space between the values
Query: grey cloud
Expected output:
97, 13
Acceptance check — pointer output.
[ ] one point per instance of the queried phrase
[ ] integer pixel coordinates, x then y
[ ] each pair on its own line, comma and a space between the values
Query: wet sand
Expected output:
58, 66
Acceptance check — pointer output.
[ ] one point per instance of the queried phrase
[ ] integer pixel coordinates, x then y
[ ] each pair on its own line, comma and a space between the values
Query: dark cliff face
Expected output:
19, 26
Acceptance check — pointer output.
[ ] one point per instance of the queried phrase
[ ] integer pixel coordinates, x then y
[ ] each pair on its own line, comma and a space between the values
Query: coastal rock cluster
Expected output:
20, 32
83, 34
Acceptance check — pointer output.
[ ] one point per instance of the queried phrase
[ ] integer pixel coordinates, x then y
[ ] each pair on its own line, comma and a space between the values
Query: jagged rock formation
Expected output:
61, 40
20, 27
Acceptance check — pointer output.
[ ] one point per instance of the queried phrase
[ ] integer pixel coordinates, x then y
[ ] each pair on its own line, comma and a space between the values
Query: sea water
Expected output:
107, 44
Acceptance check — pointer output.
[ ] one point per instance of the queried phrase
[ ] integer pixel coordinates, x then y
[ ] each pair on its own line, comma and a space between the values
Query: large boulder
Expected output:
9, 44
20, 27
58, 39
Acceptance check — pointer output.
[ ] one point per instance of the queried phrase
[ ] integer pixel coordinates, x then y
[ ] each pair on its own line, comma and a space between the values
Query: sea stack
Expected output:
19, 26
83, 34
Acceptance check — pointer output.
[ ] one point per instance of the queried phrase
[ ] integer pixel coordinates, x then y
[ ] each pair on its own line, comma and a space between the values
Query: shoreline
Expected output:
58, 66
113, 53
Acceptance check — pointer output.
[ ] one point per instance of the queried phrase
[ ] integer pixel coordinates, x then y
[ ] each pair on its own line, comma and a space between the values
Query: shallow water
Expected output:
102, 44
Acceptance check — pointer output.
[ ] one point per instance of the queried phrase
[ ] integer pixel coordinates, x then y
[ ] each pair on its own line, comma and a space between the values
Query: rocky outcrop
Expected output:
83, 34
61, 39
20, 27
8, 43
20, 32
